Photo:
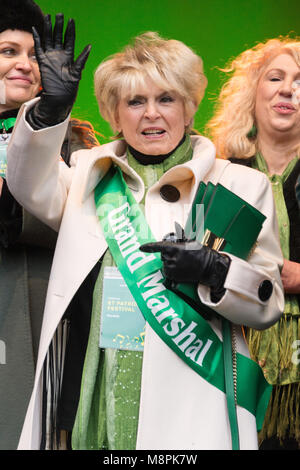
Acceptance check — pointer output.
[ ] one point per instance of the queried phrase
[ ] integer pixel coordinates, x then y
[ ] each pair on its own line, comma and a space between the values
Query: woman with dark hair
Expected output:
26, 245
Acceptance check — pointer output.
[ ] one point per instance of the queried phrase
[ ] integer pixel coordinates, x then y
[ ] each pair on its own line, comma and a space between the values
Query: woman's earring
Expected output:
252, 132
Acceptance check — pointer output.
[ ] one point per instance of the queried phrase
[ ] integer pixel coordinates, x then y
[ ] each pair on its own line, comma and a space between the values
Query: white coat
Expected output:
179, 409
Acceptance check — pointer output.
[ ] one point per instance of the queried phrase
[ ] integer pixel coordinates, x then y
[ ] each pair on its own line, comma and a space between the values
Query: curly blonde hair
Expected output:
234, 115
168, 63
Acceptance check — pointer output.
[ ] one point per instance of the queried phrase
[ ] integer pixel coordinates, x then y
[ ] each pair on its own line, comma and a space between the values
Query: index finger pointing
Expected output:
153, 247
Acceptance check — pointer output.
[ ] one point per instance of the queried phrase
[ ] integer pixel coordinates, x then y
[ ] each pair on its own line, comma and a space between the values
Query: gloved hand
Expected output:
60, 75
192, 262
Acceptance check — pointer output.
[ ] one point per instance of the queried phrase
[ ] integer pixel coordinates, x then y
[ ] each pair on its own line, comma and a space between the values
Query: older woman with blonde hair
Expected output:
124, 72
153, 375
257, 123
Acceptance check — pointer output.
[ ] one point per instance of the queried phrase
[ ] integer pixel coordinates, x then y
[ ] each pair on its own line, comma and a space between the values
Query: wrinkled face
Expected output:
153, 120
277, 108
19, 71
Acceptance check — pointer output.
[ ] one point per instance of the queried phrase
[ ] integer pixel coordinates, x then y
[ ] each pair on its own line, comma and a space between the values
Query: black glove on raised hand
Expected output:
192, 262
60, 75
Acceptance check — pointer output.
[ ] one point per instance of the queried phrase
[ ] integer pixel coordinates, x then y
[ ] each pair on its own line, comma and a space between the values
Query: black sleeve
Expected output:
10, 217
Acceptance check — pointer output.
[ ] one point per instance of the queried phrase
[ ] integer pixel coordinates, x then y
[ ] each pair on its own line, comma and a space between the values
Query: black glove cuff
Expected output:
33, 120
47, 112
221, 267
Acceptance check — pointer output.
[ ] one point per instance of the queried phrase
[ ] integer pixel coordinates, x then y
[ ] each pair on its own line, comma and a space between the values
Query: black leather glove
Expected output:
192, 262
60, 75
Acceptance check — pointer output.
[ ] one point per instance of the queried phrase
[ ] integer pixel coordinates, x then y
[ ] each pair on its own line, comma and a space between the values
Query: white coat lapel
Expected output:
186, 179
101, 160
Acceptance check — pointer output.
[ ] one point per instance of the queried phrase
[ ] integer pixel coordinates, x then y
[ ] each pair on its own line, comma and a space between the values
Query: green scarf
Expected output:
274, 348
150, 174
108, 411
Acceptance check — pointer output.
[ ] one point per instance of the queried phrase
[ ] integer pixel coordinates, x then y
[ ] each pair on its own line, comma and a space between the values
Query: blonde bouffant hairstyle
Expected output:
170, 64
234, 118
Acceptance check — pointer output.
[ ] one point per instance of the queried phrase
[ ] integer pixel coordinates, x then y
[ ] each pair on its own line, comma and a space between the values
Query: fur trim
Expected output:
21, 15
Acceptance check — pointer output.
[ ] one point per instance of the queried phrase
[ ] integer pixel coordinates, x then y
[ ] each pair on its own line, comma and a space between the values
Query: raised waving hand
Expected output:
60, 74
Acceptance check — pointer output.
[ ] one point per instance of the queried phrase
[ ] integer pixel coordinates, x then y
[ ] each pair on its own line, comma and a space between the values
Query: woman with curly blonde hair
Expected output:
232, 127
257, 123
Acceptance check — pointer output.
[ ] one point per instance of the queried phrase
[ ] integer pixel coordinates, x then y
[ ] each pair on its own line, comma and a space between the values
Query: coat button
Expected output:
265, 290
169, 193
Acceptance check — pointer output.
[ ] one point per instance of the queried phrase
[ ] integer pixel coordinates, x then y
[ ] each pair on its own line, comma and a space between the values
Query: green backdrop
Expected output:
216, 29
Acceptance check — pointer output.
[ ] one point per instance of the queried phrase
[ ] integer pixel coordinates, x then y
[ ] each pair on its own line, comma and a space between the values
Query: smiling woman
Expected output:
26, 245
19, 70
24, 262
277, 114
257, 123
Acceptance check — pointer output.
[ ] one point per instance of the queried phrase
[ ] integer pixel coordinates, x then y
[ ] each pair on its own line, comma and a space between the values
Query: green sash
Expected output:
177, 324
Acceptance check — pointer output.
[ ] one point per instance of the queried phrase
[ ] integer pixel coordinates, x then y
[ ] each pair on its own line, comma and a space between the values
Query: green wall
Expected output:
216, 29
